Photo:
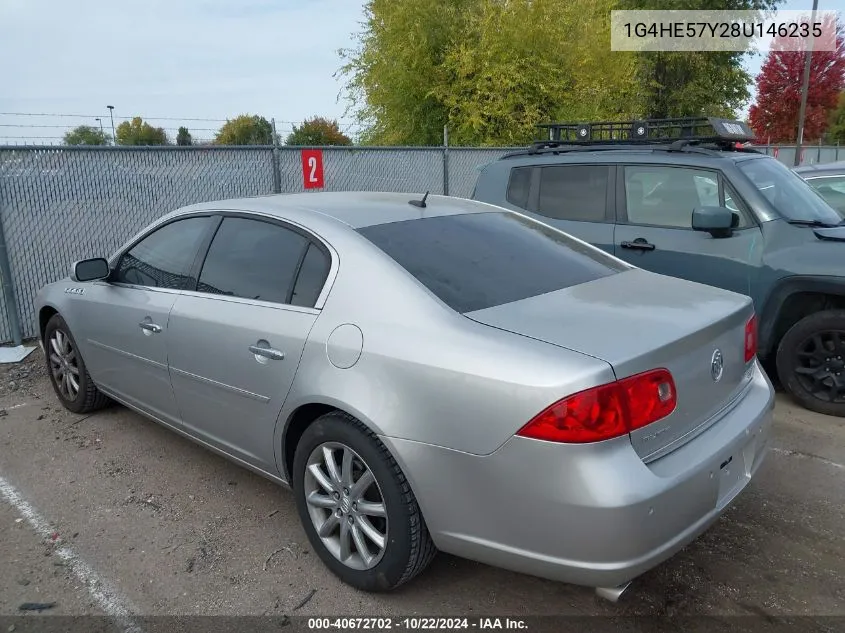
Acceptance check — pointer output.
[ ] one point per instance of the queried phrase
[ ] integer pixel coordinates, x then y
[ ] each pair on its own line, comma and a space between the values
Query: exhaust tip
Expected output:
612, 593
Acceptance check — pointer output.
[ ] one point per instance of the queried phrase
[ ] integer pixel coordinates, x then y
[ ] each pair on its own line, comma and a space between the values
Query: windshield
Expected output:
791, 197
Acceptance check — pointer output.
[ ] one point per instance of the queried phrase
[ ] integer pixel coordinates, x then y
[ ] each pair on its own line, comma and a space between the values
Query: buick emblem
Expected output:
717, 365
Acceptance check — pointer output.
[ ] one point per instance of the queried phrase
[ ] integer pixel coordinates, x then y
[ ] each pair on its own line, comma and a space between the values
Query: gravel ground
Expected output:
172, 529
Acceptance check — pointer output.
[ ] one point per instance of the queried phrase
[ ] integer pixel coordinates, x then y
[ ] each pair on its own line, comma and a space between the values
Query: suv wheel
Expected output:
357, 507
811, 362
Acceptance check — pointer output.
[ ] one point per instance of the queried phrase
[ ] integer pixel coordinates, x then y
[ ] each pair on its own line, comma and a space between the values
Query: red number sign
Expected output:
312, 168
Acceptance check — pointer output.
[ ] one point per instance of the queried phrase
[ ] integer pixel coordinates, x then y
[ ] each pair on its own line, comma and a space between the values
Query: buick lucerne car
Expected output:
427, 373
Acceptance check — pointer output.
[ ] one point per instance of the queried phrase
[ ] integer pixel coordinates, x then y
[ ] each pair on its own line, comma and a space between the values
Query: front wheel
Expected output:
357, 508
68, 374
811, 362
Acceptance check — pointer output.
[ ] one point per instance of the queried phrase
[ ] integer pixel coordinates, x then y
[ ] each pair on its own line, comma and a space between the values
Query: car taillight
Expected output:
751, 338
606, 411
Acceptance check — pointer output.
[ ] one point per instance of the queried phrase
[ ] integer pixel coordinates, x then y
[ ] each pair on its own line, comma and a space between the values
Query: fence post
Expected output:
277, 167
445, 160
819, 154
12, 312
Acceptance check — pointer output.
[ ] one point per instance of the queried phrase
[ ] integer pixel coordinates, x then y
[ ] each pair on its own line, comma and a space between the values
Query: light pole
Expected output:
100, 121
111, 114
805, 87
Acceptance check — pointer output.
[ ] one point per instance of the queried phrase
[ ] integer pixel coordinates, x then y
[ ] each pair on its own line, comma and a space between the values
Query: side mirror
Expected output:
91, 269
718, 221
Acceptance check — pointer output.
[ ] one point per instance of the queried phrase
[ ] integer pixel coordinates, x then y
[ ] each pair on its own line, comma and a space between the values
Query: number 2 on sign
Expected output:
312, 168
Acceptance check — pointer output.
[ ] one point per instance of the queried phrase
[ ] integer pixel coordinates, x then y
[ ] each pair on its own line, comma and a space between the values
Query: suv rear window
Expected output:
481, 260
574, 192
519, 185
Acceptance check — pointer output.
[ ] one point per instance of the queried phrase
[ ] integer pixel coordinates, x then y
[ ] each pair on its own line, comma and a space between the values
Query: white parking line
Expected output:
110, 601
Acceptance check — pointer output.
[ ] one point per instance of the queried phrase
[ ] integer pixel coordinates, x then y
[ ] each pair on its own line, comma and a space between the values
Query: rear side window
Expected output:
519, 185
253, 260
481, 260
312, 276
574, 192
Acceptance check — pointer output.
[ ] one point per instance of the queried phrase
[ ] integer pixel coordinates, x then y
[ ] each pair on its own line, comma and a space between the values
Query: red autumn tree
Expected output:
774, 115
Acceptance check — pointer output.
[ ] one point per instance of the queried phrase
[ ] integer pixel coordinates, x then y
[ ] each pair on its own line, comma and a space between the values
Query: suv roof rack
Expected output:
684, 134
700, 129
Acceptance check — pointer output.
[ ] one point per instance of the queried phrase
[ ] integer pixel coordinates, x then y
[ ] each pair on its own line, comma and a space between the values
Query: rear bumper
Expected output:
591, 514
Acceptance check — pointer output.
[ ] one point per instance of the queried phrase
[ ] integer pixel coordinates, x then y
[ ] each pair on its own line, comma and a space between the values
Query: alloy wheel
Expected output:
346, 505
820, 366
64, 364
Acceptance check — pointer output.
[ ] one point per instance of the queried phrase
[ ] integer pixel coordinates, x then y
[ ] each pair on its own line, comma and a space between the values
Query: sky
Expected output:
174, 60
204, 59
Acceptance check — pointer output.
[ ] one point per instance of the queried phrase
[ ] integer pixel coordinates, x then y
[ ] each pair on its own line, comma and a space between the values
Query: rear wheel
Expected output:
811, 362
68, 374
357, 507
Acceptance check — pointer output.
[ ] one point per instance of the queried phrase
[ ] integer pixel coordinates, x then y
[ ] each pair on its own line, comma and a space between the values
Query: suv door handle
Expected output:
149, 327
267, 352
639, 244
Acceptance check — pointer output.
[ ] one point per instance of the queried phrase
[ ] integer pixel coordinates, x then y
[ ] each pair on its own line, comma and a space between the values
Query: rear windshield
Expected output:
481, 260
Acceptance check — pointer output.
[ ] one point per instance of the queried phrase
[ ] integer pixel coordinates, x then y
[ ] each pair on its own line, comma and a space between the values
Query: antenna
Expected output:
419, 203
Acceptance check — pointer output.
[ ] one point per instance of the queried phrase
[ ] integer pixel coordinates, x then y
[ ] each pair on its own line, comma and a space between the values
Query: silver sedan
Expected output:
427, 374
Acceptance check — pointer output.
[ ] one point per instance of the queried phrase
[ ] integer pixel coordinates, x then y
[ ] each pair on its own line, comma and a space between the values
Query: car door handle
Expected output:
267, 352
639, 244
150, 327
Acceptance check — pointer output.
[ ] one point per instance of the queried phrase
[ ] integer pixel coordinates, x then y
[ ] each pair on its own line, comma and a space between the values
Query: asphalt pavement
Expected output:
111, 514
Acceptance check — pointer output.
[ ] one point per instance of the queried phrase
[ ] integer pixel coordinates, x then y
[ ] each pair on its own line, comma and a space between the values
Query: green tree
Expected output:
488, 69
493, 69
836, 127
86, 135
397, 65
183, 137
525, 62
317, 131
139, 132
679, 84
245, 130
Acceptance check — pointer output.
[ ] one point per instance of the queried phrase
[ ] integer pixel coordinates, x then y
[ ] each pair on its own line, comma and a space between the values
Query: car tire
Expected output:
63, 358
811, 362
407, 546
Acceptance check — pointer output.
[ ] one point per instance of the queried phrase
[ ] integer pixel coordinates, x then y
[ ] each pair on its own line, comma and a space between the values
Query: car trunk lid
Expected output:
637, 321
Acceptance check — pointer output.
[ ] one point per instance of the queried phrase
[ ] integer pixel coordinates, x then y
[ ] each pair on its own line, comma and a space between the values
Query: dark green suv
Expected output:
704, 208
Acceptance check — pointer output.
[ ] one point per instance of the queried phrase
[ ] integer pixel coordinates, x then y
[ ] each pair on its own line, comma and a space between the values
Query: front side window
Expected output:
666, 196
574, 192
481, 260
252, 259
163, 258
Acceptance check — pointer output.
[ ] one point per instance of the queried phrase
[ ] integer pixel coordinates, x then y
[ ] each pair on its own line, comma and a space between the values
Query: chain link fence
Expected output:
58, 205
810, 154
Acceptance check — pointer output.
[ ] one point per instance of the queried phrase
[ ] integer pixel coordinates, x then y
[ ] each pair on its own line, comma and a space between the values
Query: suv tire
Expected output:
811, 362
